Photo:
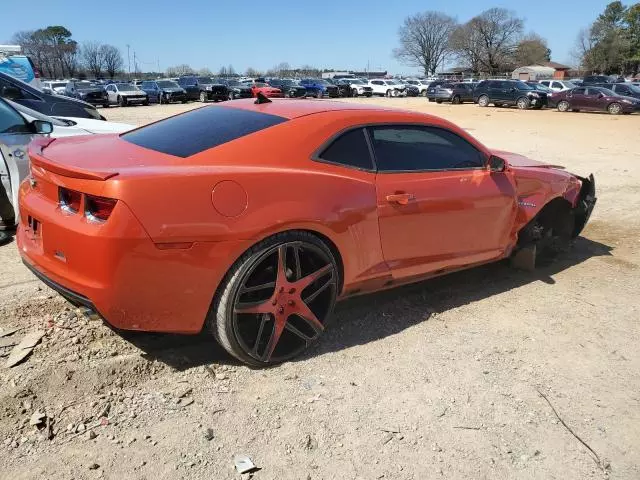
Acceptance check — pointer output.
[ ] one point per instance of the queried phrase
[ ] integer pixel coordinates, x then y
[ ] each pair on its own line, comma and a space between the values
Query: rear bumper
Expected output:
586, 202
117, 271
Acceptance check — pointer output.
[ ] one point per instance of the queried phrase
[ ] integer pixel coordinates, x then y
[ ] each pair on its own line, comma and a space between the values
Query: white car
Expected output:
558, 85
358, 87
19, 125
387, 88
124, 94
54, 87
421, 84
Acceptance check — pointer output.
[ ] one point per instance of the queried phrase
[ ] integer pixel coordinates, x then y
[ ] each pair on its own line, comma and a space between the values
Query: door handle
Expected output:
400, 198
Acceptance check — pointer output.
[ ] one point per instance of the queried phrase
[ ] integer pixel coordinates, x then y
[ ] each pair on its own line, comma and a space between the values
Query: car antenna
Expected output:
260, 99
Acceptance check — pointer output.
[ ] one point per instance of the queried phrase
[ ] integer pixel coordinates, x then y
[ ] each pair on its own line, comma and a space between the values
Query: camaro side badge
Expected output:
522, 203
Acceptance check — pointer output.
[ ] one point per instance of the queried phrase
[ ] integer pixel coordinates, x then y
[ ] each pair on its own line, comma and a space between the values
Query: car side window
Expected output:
414, 148
579, 91
349, 149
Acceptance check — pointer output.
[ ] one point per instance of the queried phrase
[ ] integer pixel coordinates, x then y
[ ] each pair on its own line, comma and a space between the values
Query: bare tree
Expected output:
223, 72
112, 59
488, 42
205, 72
252, 72
532, 50
230, 70
424, 40
179, 70
92, 58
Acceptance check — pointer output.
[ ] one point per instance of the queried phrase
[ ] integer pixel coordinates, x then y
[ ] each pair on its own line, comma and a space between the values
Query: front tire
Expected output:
203, 97
523, 103
615, 109
388, 94
319, 94
563, 106
483, 101
122, 101
456, 100
276, 299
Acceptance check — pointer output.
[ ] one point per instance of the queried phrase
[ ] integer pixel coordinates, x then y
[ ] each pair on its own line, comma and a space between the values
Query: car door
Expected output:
577, 98
111, 93
15, 135
593, 99
439, 206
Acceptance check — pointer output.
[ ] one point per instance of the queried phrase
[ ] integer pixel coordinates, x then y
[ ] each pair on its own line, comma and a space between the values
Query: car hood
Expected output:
90, 90
520, 161
239, 87
131, 94
95, 126
172, 89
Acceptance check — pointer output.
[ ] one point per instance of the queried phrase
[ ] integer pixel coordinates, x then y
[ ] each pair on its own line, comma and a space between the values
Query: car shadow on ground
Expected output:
368, 318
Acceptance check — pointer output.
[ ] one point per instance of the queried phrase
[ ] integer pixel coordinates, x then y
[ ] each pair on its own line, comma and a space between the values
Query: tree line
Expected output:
611, 44
282, 69
57, 55
492, 42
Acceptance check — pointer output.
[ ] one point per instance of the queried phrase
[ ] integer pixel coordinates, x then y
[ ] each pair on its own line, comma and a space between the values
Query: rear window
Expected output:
198, 130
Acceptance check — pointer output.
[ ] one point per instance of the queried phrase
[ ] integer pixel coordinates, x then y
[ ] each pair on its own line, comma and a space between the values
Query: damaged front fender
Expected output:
586, 201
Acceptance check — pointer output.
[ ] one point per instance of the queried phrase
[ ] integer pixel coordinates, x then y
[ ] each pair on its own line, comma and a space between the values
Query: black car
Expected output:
625, 89
235, 89
598, 79
52, 105
203, 88
164, 91
343, 85
451, 92
88, 92
290, 88
411, 90
508, 92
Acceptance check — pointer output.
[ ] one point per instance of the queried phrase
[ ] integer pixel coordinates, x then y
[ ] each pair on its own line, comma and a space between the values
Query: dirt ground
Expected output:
442, 379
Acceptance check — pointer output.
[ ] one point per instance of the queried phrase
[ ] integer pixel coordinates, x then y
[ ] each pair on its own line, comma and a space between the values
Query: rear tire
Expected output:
563, 106
319, 94
456, 100
254, 315
122, 101
203, 97
483, 101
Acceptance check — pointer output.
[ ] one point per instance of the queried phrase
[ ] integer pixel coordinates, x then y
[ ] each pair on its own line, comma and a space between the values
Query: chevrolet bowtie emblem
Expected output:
33, 182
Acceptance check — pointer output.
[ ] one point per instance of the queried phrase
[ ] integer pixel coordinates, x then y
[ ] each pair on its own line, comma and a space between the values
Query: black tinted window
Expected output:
407, 148
578, 91
198, 130
349, 149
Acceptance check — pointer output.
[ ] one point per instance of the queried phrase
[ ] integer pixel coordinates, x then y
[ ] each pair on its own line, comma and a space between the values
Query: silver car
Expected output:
54, 88
124, 94
15, 135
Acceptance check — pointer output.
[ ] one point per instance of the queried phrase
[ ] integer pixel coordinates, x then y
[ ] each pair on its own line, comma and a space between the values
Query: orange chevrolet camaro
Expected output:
251, 219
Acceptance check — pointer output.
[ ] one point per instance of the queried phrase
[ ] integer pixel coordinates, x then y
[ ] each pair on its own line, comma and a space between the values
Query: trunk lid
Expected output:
93, 157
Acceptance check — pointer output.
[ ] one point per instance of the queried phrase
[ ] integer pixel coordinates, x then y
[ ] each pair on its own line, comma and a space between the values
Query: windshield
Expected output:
570, 85
205, 80
167, 84
58, 84
321, 81
85, 85
523, 86
634, 88
125, 87
413, 82
391, 82
27, 112
235, 83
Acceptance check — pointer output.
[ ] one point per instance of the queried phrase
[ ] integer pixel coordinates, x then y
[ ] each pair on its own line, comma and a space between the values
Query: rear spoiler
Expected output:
36, 148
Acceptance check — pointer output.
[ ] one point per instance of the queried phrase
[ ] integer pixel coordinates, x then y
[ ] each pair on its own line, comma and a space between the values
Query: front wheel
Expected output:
483, 101
319, 94
122, 101
456, 100
203, 97
388, 93
276, 299
354, 92
523, 103
615, 109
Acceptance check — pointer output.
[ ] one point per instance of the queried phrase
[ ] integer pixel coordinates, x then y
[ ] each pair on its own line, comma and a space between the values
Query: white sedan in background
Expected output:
19, 125
386, 87
558, 85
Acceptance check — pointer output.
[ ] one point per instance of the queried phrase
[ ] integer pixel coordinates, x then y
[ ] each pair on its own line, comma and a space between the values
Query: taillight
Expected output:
69, 200
98, 208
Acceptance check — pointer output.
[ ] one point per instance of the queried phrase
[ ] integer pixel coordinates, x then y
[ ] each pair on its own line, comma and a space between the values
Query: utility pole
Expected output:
135, 63
129, 60
158, 65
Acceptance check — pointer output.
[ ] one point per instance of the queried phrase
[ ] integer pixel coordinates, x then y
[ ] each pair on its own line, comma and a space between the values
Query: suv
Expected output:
203, 88
595, 79
164, 91
508, 92
52, 105
455, 93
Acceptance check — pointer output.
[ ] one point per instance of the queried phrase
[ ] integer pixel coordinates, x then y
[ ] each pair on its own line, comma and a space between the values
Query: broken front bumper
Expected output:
586, 201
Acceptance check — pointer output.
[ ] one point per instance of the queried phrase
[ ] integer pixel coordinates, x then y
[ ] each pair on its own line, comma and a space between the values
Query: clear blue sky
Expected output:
260, 34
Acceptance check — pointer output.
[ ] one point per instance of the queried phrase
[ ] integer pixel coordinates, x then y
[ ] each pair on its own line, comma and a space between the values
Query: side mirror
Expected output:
497, 164
12, 93
601, 95
40, 126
